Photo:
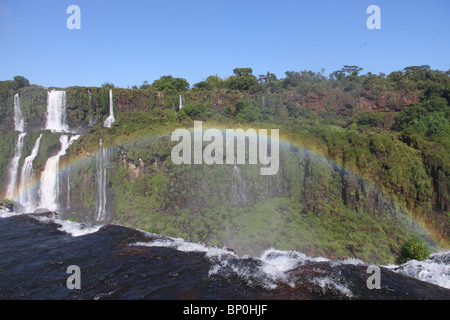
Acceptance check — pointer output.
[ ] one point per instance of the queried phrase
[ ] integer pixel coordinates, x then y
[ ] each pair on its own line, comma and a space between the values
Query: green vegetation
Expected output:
170, 84
6, 204
414, 249
366, 160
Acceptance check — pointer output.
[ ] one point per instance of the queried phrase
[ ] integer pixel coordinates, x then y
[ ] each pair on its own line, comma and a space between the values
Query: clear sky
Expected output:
127, 42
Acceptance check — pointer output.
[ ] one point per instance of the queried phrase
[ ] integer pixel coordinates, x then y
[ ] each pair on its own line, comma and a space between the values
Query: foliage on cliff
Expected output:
364, 151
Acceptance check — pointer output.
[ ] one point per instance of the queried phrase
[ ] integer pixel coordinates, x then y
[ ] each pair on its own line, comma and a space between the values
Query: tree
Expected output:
21, 82
145, 85
293, 79
417, 73
170, 83
352, 70
337, 75
267, 79
245, 111
369, 118
243, 80
195, 112
429, 118
211, 82
215, 81
202, 85
239, 72
108, 85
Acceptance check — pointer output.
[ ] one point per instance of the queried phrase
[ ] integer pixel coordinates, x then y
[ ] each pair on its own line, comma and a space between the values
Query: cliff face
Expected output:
138, 185
89, 106
345, 103
309, 198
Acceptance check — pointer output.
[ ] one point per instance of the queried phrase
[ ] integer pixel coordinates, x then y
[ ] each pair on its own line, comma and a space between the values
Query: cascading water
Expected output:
49, 188
68, 190
56, 111
238, 188
102, 162
26, 199
14, 167
110, 120
18, 116
14, 164
181, 102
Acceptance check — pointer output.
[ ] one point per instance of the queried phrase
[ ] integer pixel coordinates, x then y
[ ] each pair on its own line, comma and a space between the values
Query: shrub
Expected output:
414, 249
6, 205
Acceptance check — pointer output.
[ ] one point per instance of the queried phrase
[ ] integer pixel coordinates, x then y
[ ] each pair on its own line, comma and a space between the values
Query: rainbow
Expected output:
286, 138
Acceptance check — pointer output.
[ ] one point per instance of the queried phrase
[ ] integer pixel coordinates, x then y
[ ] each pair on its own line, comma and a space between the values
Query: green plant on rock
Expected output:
414, 249
6, 204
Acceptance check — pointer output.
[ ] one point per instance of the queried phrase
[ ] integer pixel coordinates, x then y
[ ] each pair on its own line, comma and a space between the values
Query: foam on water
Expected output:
327, 283
269, 270
435, 270
73, 228
8, 214
186, 246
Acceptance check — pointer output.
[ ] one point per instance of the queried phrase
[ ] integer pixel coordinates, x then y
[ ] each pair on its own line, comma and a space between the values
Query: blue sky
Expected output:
127, 42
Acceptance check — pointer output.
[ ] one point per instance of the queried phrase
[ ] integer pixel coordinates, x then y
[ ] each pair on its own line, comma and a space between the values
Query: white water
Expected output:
110, 120
435, 270
68, 189
238, 188
18, 116
275, 266
101, 182
49, 188
73, 228
26, 199
14, 164
181, 102
56, 111
14, 167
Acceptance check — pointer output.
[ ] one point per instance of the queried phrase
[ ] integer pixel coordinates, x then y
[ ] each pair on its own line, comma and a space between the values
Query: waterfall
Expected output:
56, 111
26, 199
91, 122
181, 102
14, 167
49, 188
14, 164
102, 161
68, 189
18, 117
110, 120
238, 187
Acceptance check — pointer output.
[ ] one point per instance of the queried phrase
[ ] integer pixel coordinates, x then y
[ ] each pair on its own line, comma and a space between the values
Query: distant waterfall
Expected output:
181, 102
110, 120
238, 188
18, 117
49, 188
14, 167
14, 164
102, 163
68, 189
56, 111
27, 200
